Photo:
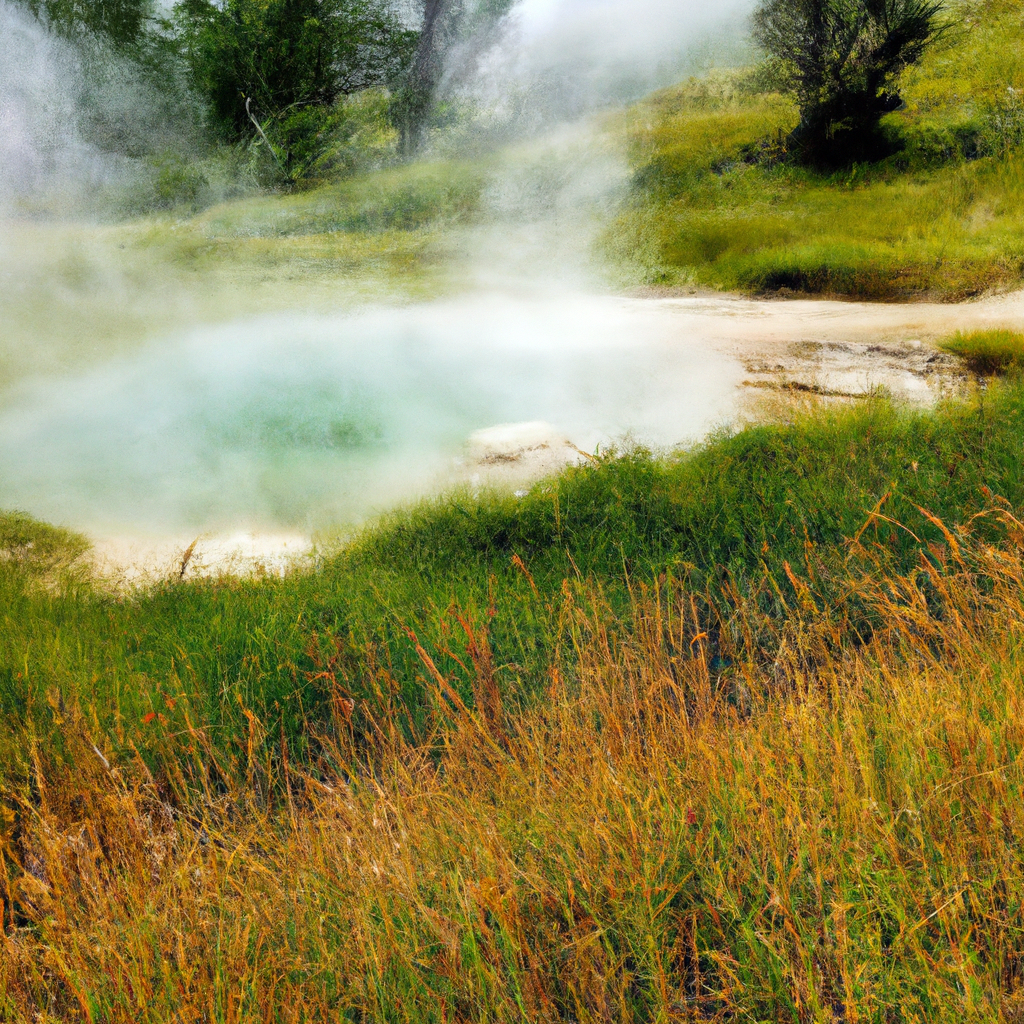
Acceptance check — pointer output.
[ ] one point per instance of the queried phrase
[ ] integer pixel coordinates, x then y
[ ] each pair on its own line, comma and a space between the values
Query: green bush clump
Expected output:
178, 183
842, 62
267, 61
988, 353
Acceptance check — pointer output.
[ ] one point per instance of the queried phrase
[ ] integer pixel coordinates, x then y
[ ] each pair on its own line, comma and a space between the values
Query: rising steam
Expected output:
307, 421
43, 156
83, 129
556, 60
302, 420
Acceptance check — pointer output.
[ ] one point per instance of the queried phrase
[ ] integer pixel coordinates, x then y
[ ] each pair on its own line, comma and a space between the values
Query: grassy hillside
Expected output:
735, 735
739, 508
711, 204
716, 205
77, 292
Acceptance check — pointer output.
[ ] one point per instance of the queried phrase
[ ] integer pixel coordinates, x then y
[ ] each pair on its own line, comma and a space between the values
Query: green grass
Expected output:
987, 352
739, 507
843, 842
743, 737
743, 740
37, 548
405, 198
715, 206
76, 293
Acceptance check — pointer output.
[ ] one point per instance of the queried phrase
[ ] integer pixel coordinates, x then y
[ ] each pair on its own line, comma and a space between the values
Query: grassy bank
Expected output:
739, 508
716, 204
730, 736
77, 292
713, 203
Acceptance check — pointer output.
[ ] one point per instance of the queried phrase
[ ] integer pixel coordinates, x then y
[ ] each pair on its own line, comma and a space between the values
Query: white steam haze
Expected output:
557, 59
302, 419
305, 421
42, 153
59, 98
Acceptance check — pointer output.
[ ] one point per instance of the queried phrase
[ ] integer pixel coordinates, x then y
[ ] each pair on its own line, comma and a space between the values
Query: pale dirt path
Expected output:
828, 348
841, 349
762, 323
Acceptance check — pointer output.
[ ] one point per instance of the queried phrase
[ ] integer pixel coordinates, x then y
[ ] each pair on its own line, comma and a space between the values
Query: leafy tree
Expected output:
123, 22
842, 59
276, 67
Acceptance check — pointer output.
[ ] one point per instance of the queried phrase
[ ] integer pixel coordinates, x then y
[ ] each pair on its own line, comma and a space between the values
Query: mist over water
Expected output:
306, 421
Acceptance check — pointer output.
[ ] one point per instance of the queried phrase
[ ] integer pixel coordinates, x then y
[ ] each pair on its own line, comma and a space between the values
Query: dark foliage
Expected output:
123, 22
277, 63
842, 59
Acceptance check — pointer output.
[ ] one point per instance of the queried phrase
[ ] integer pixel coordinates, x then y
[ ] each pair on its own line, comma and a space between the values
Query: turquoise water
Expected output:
307, 421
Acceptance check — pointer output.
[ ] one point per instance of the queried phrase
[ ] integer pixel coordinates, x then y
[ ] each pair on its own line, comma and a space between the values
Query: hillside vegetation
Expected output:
716, 204
81, 292
735, 734
712, 202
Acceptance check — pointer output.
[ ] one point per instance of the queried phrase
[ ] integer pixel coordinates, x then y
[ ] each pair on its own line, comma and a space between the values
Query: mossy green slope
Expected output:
716, 204
77, 292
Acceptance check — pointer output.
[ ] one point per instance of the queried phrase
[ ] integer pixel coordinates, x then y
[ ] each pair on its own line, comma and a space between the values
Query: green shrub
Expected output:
121, 21
273, 70
354, 133
842, 62
715, 203
179, 183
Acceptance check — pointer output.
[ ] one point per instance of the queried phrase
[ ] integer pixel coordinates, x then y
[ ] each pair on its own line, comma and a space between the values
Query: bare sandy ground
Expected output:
829, 349
766, 322
124, 561
841, 349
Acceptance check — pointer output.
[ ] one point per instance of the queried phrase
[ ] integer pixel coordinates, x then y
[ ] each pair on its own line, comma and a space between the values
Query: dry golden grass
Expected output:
832, 832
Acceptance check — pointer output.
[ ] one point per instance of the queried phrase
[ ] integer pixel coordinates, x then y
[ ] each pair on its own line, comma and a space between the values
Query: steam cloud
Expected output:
557, 59
42, 152
305, 420
78, 120
308, 421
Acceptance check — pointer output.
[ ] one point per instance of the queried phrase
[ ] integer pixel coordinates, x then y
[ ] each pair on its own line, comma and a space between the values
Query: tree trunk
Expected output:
426, 70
